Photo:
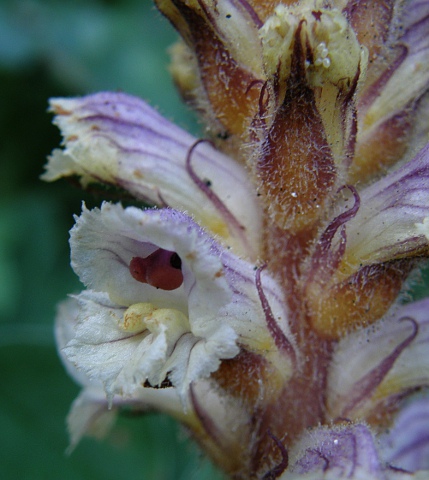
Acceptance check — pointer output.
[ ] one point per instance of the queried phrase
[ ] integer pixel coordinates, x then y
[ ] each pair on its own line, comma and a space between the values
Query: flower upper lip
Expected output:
118, 139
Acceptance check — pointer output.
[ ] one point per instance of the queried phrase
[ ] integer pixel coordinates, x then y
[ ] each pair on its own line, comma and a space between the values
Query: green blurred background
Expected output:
62, 48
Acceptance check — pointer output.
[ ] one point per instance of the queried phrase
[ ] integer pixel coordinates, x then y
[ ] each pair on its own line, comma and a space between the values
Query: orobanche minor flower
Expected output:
263, 299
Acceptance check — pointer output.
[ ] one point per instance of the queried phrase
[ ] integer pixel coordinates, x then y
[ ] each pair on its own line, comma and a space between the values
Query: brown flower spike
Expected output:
262, 300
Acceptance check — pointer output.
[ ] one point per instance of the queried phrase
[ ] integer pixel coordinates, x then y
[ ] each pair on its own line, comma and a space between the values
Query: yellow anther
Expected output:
145, 316
134, 319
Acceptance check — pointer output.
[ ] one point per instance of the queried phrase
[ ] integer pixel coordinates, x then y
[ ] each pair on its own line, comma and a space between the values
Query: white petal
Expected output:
406, 444
388, 359
89, 415
388, 222
408, 77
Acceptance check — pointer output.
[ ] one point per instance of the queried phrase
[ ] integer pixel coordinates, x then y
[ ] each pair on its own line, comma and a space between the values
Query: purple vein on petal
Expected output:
231, 221
280, 339
374, 90
208, 423
282, 466
368, 384
254, 16
324, 244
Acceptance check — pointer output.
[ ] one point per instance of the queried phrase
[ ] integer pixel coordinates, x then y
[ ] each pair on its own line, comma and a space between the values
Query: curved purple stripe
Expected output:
367, 385
375, 89
233, 224
253, 15
280, 339
207, 422
332, 228
282, 466
322, 251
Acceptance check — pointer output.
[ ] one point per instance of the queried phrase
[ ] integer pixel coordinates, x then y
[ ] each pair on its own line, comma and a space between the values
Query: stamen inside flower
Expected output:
145, 316
134, 317
161, 269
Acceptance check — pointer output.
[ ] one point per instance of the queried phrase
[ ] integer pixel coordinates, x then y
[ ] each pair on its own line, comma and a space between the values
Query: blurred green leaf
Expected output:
33, 407
88, 46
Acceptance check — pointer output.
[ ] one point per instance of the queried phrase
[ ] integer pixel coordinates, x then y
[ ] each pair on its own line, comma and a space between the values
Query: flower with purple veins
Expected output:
262, 300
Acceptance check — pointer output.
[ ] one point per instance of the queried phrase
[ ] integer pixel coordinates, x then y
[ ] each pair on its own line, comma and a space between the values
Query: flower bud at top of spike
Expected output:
333, 53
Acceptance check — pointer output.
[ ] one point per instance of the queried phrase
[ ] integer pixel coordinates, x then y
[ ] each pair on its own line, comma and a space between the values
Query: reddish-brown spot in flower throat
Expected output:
161, 269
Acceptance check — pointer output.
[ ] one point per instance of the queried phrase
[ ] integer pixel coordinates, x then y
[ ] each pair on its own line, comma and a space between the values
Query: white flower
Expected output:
132, 331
